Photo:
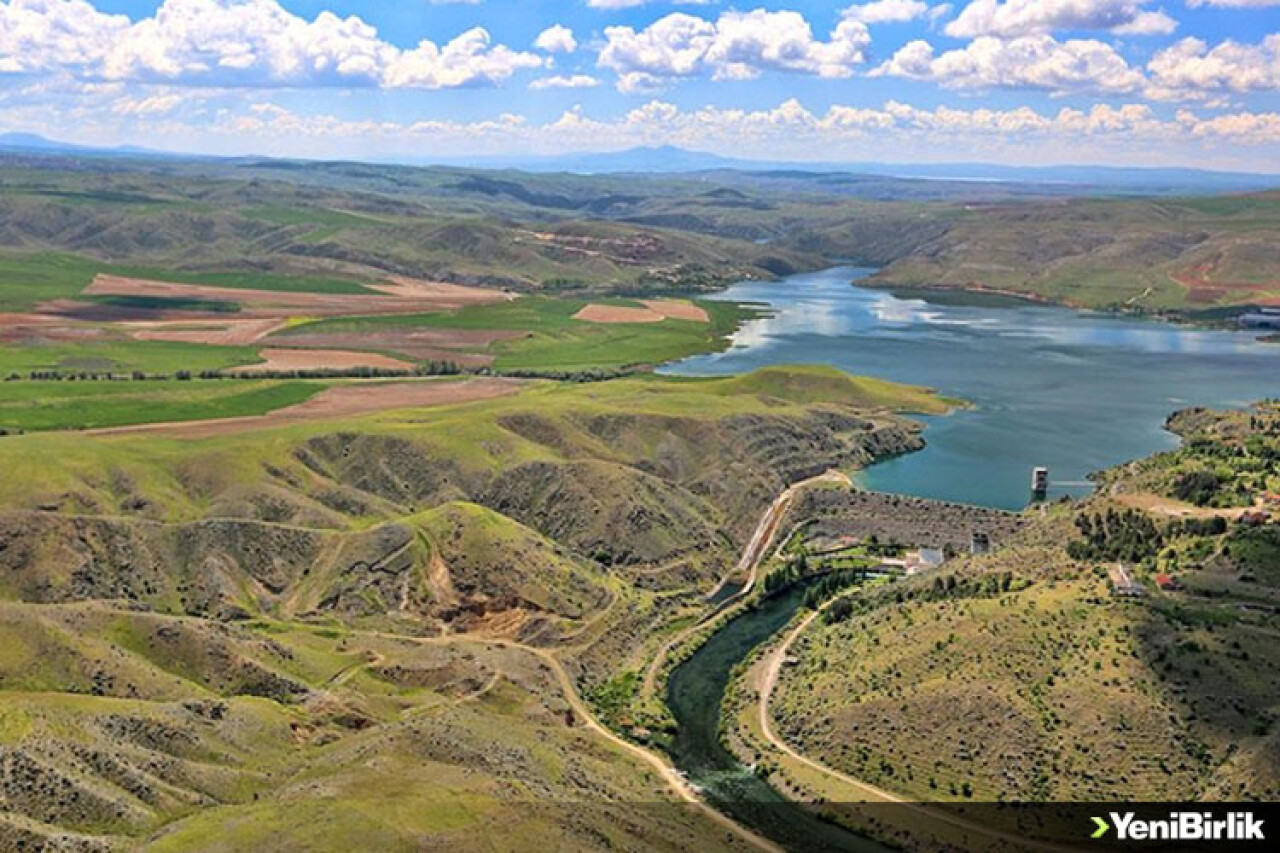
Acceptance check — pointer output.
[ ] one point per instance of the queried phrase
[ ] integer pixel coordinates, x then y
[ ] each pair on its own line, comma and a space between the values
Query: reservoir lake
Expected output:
1075, 391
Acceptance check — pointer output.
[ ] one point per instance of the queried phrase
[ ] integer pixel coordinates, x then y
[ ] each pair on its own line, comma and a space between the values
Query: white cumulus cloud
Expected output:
631, 4
1234, 4
556, 39
886, 11
1190, 69
737, 46
239, 43
1013, 18
565, 81
1038, 62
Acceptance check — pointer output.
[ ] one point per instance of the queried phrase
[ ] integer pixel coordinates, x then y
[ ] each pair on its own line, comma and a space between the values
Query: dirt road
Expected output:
1177, 509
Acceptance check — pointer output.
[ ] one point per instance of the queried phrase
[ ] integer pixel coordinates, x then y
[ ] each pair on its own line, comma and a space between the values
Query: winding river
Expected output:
1076, 391
695, 692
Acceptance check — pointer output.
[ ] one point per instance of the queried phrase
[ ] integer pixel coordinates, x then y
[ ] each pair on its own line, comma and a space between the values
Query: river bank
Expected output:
695, 692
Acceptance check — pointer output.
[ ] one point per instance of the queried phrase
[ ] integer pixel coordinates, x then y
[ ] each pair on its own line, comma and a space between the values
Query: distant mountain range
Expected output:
669, 159
33, 143
673, 160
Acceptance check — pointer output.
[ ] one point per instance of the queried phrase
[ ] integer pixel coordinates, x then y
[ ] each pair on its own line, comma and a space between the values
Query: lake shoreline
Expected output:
1075, 391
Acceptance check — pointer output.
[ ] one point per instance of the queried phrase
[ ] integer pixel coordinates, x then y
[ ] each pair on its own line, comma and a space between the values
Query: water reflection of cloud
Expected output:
1153, 338
892, 311
823, 317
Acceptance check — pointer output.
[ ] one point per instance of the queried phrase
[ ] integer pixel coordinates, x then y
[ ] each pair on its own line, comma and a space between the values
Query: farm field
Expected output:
33, 406
109, 355
538, 334
119, 356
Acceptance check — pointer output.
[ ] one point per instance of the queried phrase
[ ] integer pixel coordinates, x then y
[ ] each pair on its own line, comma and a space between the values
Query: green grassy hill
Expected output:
59, 227
1022, 676
332, 227
1184, 254
328, 634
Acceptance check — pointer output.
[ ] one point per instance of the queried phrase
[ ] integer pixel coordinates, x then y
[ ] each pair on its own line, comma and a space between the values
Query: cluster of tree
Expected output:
795, 568
839, 611
1259, 447
1130, 536
980, 586
84, 376
943, 587
832, 583
593, 374
1263, 424
884, 549
1197, 487
1215, 526
429, 368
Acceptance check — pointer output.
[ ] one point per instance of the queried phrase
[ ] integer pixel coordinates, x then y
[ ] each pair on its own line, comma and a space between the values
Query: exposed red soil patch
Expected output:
13, 319
676, 309
617, 314
654, 311
416, 288
1201, 290
457, 345
229, 334
321, 359
338, 402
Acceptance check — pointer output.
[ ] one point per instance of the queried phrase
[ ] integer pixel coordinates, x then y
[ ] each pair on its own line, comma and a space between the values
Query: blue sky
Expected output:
1188, 82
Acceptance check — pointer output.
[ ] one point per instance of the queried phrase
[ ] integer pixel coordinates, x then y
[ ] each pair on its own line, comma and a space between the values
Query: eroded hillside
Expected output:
199, 633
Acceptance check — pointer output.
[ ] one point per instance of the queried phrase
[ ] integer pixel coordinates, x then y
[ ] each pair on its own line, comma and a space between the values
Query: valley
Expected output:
356, 506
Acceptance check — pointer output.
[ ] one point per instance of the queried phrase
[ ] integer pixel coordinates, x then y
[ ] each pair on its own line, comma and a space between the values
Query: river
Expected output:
695, 692
1076, 391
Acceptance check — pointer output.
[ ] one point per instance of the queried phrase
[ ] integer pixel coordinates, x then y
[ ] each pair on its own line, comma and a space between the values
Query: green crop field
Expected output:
26, 279
555, 341
32, 406
120, 357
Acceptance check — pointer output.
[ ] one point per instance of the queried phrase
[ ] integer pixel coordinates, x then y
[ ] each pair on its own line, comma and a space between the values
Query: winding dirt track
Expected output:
768, 681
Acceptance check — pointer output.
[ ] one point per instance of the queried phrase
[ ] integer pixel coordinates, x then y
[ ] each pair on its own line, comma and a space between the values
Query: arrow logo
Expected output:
1102, 829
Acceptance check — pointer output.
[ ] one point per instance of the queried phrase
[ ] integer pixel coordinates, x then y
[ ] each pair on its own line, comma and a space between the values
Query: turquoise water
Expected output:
1076, 391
